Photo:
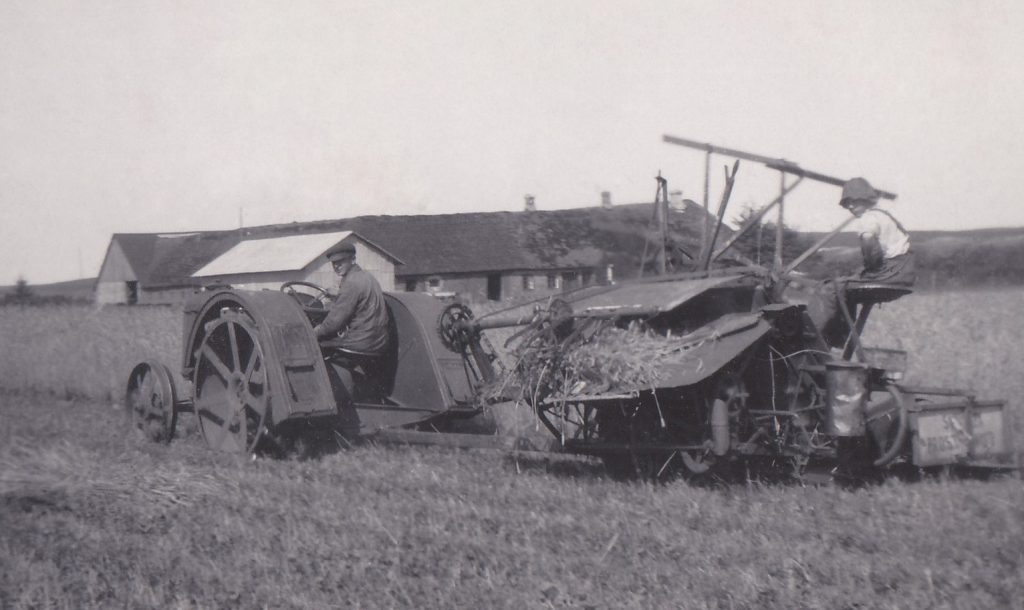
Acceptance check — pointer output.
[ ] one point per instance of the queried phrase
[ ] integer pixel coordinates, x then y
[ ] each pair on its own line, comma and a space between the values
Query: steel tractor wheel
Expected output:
231, 394
150, 399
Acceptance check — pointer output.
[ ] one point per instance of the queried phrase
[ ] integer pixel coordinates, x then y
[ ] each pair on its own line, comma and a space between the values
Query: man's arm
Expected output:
342, 310
871, 251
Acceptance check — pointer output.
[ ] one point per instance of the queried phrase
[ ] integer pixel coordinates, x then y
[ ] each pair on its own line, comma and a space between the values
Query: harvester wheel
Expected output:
894, 444
231, 394
150, 399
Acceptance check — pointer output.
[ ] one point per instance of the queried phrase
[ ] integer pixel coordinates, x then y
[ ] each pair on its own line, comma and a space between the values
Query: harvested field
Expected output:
92, 516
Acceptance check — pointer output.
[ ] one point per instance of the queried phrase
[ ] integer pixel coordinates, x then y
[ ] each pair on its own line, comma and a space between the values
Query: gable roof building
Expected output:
480, 255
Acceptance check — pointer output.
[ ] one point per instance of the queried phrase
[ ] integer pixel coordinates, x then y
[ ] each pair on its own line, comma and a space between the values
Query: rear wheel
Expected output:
231, 395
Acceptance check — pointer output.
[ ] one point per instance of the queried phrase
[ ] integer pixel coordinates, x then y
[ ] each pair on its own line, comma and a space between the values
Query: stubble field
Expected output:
92, 516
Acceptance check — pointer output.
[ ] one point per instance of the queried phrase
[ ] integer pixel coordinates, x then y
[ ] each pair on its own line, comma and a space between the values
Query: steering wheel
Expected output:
319, 300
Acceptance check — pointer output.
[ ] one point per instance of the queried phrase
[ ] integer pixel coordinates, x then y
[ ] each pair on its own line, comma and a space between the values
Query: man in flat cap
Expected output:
357, 321
884, 243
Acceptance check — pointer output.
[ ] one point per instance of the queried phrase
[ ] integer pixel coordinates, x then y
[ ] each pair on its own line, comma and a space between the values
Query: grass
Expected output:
93, 516
100, 518
81, 351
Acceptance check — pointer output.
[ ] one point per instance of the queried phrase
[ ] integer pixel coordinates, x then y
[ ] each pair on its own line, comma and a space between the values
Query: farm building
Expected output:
478, 256
167, 267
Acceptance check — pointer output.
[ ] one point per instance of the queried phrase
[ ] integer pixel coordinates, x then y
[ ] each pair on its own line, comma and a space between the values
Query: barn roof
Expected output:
475, 242
281, 253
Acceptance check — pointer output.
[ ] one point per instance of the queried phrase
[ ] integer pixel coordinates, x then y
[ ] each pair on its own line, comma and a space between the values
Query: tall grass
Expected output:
82, 351
964, 339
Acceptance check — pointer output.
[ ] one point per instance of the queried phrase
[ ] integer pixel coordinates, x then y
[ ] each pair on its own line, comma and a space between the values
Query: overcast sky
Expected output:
169, 115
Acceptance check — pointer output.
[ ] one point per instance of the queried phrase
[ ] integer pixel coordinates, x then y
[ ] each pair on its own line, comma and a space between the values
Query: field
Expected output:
92, 516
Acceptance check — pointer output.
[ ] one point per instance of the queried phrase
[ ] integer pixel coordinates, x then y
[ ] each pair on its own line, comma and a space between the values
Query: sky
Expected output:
174, 115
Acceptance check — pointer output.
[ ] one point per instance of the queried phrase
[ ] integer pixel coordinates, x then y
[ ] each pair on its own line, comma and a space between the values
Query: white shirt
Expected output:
879, 224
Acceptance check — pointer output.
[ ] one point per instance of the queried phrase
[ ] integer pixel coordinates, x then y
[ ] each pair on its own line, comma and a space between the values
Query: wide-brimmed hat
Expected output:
858, 189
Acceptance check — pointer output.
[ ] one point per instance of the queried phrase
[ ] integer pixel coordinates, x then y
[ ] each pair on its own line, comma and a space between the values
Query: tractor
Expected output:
254, 375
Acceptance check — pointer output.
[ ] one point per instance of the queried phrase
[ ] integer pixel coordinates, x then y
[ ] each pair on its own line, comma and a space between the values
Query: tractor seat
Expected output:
863, 293
332, 352
368, 372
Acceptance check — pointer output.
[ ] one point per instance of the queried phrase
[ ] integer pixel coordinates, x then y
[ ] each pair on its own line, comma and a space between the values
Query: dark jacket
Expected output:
358, 318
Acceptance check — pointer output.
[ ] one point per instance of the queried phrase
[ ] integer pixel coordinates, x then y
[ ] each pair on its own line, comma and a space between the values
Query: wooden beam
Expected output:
781, 165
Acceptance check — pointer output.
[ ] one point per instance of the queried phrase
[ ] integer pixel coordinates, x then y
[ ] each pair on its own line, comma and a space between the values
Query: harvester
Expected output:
738, 373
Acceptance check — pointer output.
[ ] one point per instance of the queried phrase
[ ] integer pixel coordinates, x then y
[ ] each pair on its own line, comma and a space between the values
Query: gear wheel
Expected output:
455, 334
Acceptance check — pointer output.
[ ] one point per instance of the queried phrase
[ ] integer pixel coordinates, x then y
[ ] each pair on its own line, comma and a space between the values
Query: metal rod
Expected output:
853, 339
862, 320
663, 224
817, 246
654, 214
722, 205
753, 220
705, 227
599, 314
781, 165
780, 222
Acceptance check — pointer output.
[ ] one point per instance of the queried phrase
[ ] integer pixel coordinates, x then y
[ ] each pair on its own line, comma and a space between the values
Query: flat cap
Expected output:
342, 250
858, 189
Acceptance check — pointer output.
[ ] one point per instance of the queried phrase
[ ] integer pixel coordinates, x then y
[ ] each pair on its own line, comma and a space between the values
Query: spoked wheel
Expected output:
231, 395
150, 399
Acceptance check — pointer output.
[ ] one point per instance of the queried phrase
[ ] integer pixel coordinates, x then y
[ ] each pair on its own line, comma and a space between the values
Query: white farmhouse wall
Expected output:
370, 259
108, 293
111, 286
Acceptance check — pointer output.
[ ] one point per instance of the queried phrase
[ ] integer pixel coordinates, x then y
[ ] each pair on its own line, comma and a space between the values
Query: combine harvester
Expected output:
742, 374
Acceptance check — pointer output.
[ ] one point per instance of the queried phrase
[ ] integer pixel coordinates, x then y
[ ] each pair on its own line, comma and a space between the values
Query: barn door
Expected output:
494, 287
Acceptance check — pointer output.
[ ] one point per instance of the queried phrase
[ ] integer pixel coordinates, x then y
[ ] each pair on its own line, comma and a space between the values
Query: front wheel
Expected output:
150, 399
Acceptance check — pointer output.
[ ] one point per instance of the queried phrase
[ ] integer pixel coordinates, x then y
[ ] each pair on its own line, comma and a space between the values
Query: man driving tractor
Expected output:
354, 336
357, 321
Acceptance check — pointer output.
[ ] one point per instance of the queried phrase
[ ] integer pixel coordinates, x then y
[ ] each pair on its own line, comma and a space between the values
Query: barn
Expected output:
477, 256
167, 267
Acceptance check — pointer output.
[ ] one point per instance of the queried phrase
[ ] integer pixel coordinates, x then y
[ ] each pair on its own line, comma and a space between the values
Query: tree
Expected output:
759, 243
22, 293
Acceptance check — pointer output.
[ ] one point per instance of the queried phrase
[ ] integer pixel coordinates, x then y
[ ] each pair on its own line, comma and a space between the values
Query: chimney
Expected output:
606, 199
531, 204
675, 201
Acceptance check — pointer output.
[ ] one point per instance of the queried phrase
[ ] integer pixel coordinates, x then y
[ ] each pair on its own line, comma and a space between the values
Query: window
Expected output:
434, 283
569, 279
554, 282
410, 285
588, 277
528, 283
